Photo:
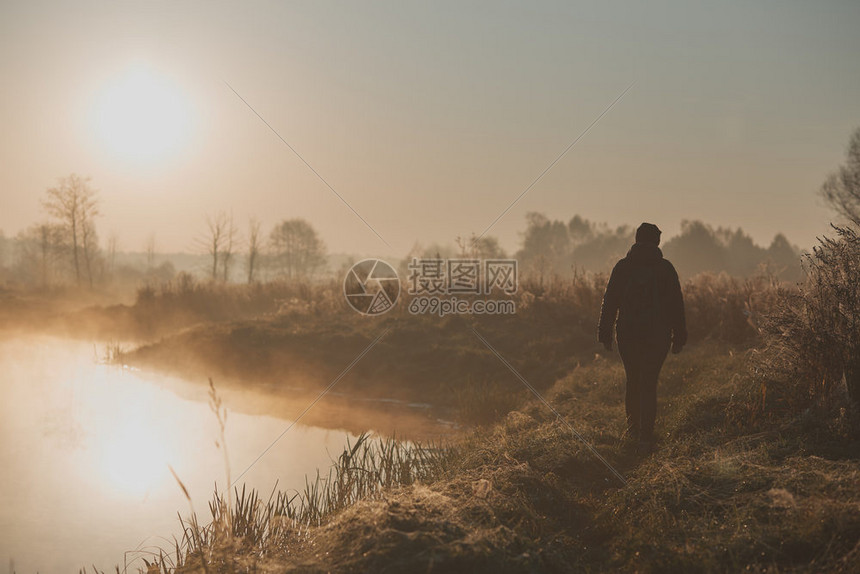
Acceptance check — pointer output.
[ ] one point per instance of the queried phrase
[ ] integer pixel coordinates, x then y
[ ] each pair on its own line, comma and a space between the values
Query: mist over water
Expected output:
85, 449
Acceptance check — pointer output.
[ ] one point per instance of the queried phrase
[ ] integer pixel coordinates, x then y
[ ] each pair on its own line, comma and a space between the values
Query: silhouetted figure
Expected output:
645, 295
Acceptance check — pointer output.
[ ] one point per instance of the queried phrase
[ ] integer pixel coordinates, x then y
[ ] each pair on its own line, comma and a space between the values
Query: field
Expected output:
755, 470
756, 467
730, 488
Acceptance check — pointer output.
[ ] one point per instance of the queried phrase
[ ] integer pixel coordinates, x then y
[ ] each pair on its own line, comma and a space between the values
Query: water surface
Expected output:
85, 449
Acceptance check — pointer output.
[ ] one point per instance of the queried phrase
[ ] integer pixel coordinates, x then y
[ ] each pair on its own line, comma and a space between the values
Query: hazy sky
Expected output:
429, 119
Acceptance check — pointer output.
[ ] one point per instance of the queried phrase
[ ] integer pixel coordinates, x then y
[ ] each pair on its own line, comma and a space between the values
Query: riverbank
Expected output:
744, 478
245, 337
291, 338
733, 486
416, 360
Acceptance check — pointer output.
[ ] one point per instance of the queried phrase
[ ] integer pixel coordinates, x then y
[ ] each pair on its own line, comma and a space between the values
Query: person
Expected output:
644, 295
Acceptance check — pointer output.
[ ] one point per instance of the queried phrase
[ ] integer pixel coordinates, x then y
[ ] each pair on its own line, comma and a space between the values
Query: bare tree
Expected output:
297, 250
74, 204
150, 252
89, 246
230, 240
215, 239
484, 247
40, 250
253, 248
842, 188
49, 237
112, 247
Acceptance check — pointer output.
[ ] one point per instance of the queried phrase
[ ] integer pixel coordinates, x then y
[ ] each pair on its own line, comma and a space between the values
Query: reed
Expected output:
247, 528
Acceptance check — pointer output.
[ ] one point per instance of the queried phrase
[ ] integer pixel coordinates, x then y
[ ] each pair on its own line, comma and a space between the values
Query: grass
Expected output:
246, 529
428, 358
732, 487
746, 477
112, 352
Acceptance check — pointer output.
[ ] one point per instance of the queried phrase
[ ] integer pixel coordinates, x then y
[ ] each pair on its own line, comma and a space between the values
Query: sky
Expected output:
427, 119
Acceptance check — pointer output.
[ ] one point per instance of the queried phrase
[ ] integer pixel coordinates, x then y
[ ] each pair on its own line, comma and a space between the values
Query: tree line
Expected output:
65, 249
293, 249
553, 246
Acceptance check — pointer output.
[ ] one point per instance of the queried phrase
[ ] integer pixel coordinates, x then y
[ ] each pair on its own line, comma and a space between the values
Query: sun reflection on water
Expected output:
86, 447
133, 453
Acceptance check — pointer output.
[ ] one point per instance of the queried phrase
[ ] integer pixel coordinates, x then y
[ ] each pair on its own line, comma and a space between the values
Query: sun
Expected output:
142, 116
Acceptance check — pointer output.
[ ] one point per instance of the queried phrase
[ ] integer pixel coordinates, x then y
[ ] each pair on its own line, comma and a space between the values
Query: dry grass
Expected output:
812, 334
439, 360
746, 478
733, 487
247, 530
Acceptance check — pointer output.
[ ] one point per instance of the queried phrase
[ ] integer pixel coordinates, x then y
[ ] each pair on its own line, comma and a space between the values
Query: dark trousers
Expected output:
643, 358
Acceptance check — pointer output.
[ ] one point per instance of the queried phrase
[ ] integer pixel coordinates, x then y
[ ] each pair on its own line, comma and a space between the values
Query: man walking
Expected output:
645, 295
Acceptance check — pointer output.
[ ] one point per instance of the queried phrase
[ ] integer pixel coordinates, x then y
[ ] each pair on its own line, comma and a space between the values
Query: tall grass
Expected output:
112, 352
185, 300
247, 528
812, 334
431, 358
718, 306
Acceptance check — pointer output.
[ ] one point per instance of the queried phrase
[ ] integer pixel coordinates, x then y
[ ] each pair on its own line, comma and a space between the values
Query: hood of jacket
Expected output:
644, 253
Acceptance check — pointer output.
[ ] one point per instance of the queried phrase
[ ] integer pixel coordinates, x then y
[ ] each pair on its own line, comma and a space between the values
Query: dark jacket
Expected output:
669, 307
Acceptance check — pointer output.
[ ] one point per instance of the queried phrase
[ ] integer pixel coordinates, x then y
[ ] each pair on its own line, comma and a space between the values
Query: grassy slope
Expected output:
729, 489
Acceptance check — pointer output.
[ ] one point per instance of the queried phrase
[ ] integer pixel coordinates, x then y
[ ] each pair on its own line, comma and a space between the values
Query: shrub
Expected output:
812, 337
